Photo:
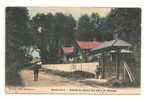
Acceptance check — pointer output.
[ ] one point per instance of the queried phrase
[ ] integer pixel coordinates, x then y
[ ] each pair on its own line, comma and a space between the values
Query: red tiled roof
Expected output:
67, 50
88, 44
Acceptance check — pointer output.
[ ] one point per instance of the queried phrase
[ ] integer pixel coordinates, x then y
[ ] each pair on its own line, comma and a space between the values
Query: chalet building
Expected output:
68, 54
82, 49
78, 51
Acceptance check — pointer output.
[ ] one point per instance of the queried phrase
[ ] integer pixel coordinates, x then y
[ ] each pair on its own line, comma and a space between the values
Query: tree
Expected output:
122, 21
84, 26
88, 27
69, 26
40, 29
96, 21
55, 31
17, 35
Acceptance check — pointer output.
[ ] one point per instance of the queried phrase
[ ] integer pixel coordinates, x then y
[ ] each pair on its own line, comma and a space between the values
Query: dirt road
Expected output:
49, 83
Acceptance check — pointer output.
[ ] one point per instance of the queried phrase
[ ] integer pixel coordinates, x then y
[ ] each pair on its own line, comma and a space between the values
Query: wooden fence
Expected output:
86, 67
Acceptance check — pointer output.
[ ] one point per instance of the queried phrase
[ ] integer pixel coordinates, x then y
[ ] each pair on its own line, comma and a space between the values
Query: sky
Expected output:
75, 11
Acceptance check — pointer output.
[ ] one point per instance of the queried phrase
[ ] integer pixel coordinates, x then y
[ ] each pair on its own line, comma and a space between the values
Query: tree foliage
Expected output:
17, 35
126, 22
57, 31
88, 27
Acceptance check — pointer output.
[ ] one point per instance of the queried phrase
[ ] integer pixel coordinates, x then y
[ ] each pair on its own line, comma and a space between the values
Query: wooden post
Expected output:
118, 63
103, 67
124, 73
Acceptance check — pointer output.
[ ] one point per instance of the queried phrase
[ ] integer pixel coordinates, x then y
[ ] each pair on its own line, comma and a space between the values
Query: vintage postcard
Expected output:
73, 50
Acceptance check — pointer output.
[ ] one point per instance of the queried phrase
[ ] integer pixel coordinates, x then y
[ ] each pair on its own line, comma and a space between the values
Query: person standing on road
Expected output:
36, 71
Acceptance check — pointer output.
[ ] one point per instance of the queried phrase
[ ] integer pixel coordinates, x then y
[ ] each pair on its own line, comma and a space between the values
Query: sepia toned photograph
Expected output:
72, 50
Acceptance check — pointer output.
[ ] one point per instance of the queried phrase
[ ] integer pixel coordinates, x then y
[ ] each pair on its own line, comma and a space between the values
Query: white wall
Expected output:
86, 67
